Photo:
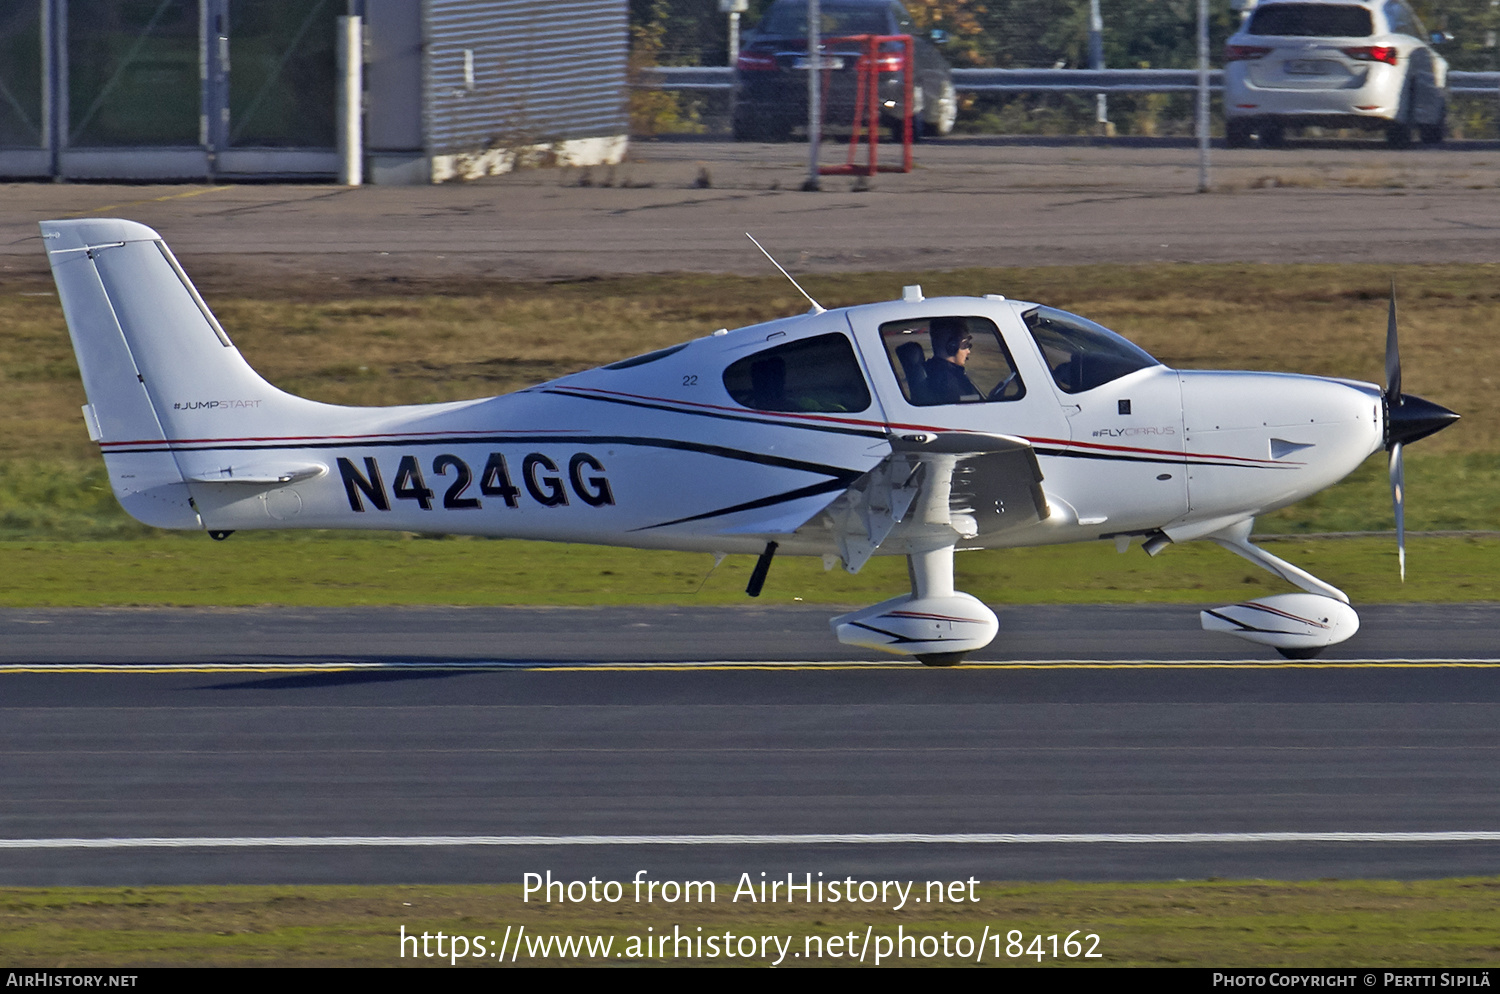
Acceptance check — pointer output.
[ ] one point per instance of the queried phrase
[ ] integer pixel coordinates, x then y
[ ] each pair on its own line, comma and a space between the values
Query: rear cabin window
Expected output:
815, 374
1312, 20
950, 360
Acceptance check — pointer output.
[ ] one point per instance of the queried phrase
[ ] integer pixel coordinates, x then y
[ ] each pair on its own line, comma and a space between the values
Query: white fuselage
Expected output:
659, 454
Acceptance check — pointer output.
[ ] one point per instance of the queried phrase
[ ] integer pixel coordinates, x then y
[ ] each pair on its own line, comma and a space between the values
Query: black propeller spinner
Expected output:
1407, 419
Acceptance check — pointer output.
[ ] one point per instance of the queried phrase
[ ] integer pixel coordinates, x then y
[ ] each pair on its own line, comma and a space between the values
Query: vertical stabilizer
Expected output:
156, 365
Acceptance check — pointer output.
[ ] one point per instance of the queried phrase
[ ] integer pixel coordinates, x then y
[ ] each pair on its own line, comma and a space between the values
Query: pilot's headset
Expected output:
947, 336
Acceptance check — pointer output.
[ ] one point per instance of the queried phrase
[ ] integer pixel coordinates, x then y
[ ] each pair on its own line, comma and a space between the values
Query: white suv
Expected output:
1333, 63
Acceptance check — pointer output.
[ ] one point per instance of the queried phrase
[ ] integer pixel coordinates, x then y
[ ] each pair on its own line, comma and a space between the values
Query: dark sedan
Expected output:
770, 77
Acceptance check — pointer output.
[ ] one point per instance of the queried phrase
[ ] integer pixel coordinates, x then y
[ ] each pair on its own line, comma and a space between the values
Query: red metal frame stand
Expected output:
866, 123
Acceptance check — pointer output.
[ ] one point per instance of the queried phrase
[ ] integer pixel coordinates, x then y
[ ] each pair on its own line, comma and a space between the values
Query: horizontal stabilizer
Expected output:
261, 476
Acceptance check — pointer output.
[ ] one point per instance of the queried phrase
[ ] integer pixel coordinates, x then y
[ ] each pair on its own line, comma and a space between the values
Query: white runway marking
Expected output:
839, 839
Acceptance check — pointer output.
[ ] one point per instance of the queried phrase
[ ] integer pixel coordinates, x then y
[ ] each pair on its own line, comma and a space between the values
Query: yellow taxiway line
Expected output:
142, 669
149, 200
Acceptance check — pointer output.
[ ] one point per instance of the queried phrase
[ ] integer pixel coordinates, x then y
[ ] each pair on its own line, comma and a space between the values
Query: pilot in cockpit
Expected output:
947, 382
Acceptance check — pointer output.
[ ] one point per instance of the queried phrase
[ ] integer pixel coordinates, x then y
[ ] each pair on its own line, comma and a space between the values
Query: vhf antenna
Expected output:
817, 308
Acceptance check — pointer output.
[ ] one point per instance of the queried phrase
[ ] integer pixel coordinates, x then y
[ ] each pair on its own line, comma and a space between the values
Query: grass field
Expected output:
336, 571
1442, 923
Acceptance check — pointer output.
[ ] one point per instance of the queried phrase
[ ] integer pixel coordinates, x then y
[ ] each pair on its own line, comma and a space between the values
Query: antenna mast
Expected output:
817, 308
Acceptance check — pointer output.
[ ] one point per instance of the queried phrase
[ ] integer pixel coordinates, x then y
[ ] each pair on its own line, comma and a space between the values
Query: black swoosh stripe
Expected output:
1245, 626
722, 451
1184, 460
1267, 610
899, 639
827, 486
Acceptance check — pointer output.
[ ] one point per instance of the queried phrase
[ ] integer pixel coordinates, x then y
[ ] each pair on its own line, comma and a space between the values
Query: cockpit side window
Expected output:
950, 360
1081, 354
813, 374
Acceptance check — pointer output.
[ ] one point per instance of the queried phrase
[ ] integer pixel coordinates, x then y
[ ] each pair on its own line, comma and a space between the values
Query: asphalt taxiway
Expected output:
474, 745
684, 204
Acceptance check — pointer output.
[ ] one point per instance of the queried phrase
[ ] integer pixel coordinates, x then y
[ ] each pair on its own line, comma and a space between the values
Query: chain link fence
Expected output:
1051, 34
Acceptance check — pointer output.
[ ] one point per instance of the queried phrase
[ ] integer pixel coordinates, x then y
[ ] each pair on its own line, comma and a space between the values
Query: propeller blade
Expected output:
1407, 419
1392, 355
1398, 502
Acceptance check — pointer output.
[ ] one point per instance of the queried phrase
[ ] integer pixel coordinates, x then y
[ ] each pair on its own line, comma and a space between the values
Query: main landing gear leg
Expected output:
934, 622
931, 576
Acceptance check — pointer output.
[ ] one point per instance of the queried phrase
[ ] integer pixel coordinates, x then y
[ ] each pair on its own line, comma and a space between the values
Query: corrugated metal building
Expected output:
207, 89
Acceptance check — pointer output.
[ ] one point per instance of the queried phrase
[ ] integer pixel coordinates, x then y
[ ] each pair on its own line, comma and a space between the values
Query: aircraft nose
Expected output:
1411, 418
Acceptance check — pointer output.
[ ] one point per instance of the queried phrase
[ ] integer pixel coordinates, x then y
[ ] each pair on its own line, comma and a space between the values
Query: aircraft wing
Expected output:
943, 488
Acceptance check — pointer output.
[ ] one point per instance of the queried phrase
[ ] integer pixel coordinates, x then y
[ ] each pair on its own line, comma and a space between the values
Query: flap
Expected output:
936, 489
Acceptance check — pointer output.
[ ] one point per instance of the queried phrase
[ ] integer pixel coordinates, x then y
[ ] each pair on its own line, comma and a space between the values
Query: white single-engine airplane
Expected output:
914, 427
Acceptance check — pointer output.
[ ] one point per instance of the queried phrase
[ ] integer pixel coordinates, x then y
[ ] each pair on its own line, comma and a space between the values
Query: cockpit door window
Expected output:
950, 360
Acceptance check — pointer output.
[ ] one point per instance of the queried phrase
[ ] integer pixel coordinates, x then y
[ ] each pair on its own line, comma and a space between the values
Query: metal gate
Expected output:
167, 89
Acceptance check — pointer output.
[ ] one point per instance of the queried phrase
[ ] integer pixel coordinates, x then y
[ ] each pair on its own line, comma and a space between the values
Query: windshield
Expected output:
1080, 354
1314, 20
